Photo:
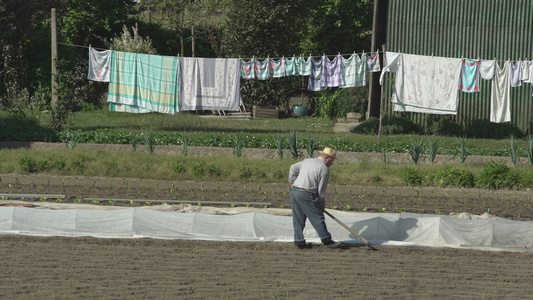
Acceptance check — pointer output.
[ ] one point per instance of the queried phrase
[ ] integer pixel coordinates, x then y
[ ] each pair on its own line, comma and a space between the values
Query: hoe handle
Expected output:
349, 229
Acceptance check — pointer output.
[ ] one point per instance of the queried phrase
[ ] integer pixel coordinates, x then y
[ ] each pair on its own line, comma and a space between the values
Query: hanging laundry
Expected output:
262, 69
331, 72
500, 94
277, 67
470, 75
144, 81
516, 74
353, 70
305, 67
99, 64
118, 107
427, 84
486, 69
372, 63
391, 60
291, 67
527, 70
316, 75
209, 84
248, 69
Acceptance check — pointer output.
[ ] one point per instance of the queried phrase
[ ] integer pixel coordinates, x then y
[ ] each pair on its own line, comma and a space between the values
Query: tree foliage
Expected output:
339, 26
132, 43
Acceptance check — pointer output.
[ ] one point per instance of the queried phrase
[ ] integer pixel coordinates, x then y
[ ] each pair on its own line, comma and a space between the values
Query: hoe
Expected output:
351, 230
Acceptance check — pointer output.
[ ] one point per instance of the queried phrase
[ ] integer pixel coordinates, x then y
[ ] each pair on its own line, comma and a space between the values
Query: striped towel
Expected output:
332, 74
304, 66
277, 67
372, 63
248, 69
316, 75
263, 70
291, 67
353, 71
144, 81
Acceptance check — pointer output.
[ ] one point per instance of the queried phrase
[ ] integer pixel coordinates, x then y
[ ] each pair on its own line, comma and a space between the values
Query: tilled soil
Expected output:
517, 205
92, 268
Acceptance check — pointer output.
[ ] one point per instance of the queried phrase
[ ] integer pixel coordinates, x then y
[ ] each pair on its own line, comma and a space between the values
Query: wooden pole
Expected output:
381, 101
54, 58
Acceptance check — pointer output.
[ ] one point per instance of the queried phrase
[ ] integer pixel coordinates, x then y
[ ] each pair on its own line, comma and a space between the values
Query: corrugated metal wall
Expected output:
486, 29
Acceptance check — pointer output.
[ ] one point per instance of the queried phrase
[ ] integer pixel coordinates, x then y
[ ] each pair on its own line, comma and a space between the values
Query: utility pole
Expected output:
379, 32
54, 59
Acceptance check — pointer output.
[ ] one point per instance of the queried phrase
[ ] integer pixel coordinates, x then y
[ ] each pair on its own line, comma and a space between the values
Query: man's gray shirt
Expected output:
311, 174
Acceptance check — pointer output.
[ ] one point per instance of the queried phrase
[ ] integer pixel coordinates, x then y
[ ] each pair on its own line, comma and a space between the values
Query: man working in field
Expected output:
309, 179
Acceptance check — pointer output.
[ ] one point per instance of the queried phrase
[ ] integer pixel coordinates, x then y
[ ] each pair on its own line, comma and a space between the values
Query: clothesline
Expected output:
313, 56
301, 55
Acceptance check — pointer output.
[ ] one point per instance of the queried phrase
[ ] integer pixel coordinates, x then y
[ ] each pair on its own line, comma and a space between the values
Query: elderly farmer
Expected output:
309, 179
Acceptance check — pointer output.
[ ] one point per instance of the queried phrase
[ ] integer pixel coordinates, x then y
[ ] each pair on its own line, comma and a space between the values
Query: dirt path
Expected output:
89, 268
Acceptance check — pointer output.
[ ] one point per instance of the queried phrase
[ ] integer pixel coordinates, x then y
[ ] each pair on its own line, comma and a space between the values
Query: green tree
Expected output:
339, 26
21, 40
265, 28
81, 21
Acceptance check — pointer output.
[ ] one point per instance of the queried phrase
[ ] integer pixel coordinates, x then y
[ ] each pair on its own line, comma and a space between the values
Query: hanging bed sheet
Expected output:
143, 83
425, 84
209, 84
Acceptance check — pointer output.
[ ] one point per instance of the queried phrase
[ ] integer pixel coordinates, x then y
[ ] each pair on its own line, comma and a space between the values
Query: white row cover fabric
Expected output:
379, 229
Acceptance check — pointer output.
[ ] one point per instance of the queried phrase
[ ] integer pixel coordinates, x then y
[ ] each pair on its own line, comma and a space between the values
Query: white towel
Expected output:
391, 64
486, 69
99, 65
209, 84
500, 97
527, 71
427, 84
516, 74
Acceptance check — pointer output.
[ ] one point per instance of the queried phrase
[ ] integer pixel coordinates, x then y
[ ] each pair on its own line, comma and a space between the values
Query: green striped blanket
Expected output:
143, 83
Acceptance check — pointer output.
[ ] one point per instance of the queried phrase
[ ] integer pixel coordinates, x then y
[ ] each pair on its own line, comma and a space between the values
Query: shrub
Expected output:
214, 170
391, 124
43, 165
59, 164
484, 129
28, 164
411, 176
497, 175
369, 126
447, 127
245, 172
178, 167
77, 164
197, 169
450, 176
